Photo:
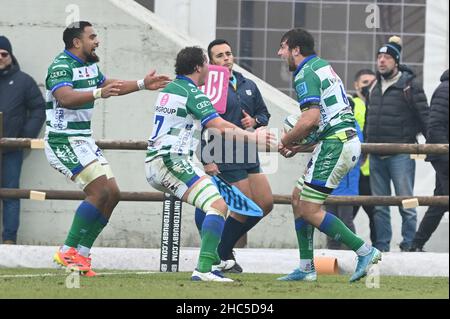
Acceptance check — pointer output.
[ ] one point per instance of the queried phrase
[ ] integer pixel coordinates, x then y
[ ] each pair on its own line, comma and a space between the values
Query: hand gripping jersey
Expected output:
181, 111
318, 86
69, 70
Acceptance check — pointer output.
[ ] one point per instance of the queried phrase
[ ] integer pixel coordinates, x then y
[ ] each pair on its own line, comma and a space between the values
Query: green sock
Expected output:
336, 229
84, 218
218, 259
96, 228
305, 236
212, 228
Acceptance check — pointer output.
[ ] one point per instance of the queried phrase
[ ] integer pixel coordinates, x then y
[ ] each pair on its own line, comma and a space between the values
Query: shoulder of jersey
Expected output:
182, 88
318, 64
62, 61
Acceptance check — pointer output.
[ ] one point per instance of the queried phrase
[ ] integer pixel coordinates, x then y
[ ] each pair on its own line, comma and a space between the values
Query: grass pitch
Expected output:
51, 283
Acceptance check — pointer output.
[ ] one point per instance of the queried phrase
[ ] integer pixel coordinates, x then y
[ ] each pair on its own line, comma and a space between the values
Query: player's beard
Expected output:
291, 63
92, 57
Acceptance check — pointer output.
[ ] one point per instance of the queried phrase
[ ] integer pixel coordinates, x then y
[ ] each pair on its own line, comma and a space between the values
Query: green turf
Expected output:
178, 285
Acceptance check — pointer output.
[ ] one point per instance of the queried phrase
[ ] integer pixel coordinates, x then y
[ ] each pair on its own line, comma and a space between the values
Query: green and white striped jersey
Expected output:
318, 86
68, 70
181, 111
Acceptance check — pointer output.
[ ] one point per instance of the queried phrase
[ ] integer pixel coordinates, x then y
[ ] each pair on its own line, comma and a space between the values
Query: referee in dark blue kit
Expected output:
246, 109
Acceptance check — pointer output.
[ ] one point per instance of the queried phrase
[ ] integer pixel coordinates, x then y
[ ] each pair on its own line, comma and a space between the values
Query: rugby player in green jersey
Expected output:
326, 109
181, 111
73, 83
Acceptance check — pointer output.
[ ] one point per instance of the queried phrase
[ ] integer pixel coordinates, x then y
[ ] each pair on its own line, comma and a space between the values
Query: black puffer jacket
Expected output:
398, 115
438, 122
21, 103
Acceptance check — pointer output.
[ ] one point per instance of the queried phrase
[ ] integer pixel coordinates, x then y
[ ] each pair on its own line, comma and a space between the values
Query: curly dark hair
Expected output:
299, 38
188, 59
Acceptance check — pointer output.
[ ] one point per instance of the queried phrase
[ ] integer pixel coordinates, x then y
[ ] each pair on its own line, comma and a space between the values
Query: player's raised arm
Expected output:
152, 81
67, 97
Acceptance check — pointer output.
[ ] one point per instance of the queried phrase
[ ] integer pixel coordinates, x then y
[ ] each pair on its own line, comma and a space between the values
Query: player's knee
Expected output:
101, 196
114, 195
308, 209
206, 196
220, 206
267, 207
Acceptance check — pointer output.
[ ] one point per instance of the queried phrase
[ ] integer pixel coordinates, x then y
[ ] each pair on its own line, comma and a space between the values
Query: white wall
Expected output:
197, 18
134, 40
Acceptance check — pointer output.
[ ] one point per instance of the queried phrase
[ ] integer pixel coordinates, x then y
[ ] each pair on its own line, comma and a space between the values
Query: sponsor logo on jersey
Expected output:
166, 110
302, 89
58, 74
301, 74
84, 73
58, 121
203, 104
164, 99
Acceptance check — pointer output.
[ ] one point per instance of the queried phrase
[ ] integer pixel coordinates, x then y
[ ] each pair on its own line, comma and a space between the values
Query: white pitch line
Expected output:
67, 273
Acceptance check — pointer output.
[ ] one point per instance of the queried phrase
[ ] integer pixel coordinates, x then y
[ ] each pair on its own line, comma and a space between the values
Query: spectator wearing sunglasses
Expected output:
23, 109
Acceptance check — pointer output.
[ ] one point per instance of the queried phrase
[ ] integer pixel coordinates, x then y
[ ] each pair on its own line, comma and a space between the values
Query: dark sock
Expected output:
199, 218
232, 231
251, 222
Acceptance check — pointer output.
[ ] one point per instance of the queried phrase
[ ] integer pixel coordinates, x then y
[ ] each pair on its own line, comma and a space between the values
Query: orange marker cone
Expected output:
326, 265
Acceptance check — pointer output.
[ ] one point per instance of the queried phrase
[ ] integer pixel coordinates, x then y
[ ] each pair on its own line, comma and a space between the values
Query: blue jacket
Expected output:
349, 185
248, 98
21, 103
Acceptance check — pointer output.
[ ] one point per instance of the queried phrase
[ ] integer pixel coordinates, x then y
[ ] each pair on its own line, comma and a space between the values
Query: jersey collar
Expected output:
306, 60
182, 77
73, 56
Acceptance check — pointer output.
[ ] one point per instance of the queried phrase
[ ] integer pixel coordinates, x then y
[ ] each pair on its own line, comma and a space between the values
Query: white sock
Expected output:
83, 251
64, 248
364, 250
306, 265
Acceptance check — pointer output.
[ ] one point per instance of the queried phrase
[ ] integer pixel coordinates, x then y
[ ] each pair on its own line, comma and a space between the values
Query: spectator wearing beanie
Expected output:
23, 109
397, 113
